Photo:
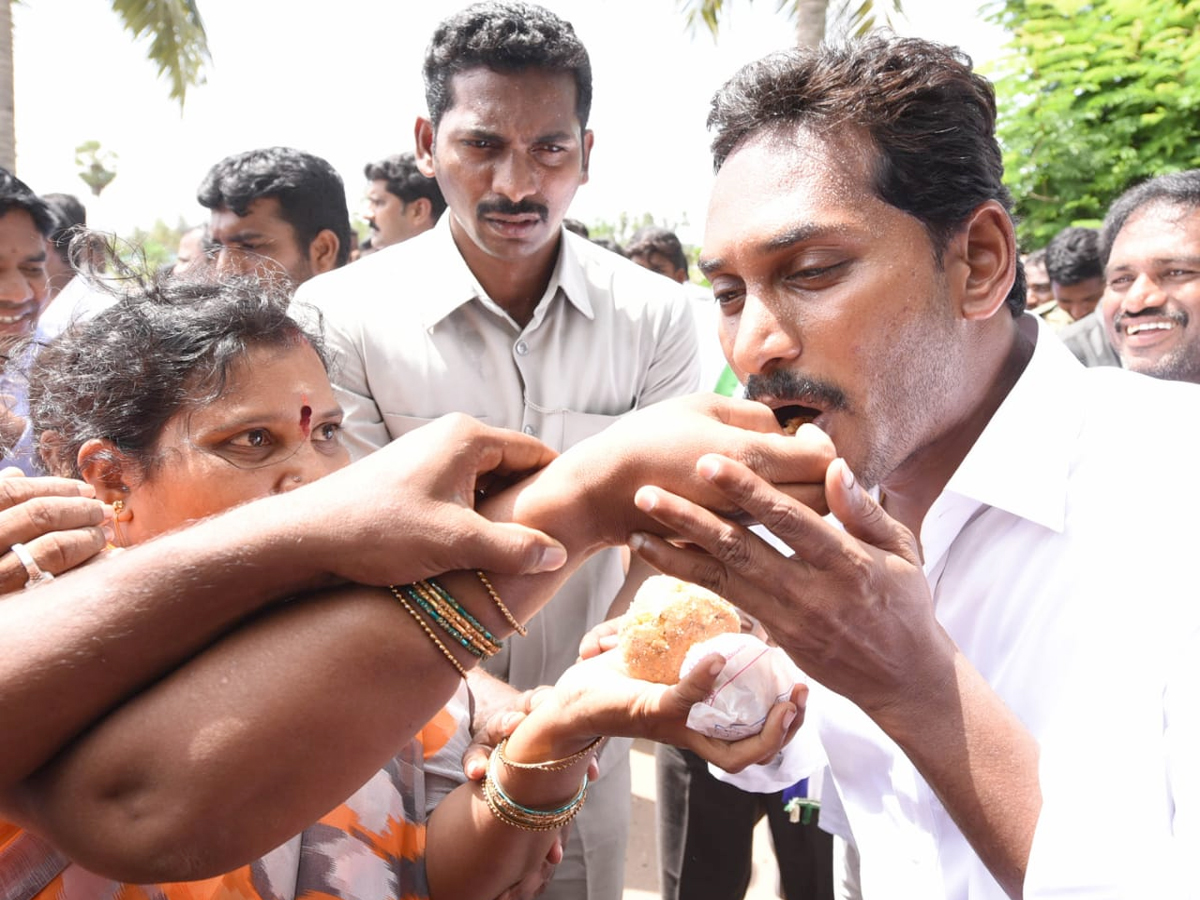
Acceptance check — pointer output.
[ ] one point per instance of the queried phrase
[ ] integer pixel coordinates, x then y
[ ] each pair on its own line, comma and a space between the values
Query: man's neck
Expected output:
909, 491
514, 285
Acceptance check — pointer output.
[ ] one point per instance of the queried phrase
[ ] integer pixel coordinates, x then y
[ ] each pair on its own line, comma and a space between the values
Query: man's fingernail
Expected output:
645, 500
789, 718
637, 540
551, 559
848, 480
510, 720
715, 667
708, 467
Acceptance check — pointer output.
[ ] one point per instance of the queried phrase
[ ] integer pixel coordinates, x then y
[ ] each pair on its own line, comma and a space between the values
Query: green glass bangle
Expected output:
445, 595
442, 623
451, 618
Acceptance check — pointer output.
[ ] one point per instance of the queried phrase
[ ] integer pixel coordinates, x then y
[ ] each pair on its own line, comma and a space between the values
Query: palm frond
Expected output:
178, 42
847, 17
704, 12
855, 18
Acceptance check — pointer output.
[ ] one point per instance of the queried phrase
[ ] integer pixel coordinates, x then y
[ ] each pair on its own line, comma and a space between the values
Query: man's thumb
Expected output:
517, 550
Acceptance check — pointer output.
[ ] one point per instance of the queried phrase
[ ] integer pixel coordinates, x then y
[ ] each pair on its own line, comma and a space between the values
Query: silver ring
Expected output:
36, 576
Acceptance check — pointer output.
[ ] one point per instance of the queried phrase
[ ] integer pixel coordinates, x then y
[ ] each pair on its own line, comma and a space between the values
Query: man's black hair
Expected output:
71, 216
1073, 255
405, 180
1180, 189
930, 118
504, 37
576, 227
16, 194
310, 192
662, 241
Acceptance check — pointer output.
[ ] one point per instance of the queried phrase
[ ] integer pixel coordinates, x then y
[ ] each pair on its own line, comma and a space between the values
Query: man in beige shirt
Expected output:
497, 312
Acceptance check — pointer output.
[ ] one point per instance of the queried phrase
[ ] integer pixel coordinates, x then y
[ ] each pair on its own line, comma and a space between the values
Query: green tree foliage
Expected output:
97, 167
628, 224
148, 251
1094, 97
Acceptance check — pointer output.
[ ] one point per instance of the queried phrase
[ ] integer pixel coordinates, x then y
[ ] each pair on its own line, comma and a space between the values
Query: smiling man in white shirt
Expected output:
25, 224
500, 313
965, 639
1150, 245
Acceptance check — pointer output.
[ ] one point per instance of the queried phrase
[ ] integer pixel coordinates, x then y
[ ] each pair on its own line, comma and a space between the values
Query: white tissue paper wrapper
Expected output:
754, 679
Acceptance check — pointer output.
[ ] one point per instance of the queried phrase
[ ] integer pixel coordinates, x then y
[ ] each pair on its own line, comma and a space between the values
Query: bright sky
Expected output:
342, 80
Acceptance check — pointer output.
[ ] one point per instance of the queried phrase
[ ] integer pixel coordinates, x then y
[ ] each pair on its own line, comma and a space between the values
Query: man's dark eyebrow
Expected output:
482, 134
796, 235
239, 237
708, 266
558, 137
36, 257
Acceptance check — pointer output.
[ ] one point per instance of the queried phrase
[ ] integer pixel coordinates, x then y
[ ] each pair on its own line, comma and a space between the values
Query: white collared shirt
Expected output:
1061, 561
415, 337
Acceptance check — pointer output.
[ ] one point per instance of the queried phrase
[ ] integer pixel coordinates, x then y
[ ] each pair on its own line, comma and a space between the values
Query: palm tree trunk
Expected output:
810, 22
8, 137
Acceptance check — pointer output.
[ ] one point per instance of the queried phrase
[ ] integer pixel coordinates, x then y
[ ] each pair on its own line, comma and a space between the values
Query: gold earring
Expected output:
118, 507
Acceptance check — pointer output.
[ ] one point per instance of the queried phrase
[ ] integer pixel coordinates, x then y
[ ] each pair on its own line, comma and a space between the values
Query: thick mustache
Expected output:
508, 208
786, 385
1178, 316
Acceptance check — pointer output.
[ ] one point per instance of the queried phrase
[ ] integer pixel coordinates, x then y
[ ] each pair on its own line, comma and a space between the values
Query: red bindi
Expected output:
305, 420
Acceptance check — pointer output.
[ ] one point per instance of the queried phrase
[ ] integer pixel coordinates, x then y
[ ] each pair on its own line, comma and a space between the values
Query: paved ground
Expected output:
641, 867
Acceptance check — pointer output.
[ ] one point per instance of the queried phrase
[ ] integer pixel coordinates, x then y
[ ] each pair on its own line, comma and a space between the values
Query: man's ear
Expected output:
421, 210
588, 140
323, 251
107, 469
982, 261
423, 132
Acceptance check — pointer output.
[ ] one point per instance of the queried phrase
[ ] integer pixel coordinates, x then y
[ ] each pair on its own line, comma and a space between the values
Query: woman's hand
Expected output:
597, 697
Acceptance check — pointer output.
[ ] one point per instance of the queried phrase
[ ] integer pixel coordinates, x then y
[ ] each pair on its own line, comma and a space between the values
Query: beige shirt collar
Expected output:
462, 287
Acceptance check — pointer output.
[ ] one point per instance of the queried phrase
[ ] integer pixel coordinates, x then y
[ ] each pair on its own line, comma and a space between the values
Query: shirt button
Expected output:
530, 430
522, 348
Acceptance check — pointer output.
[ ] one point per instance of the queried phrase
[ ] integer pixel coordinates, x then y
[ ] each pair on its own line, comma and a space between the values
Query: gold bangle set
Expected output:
510, 812
554, 765
450, 616
453, 619
428, 631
